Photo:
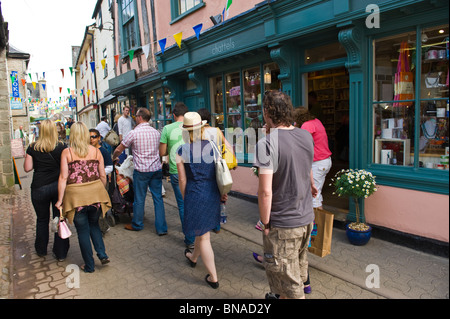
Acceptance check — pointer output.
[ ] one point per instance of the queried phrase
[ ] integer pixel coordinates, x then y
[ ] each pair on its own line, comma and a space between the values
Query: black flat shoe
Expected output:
213, 285
191, 263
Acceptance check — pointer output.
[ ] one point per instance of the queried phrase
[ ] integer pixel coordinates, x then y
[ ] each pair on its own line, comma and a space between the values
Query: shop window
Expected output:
160, 107
237, 119
399, 73
216, 96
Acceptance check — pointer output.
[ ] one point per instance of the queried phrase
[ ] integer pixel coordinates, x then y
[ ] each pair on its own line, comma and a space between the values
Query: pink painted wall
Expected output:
408, 211
419, 213
211, 8
244, 181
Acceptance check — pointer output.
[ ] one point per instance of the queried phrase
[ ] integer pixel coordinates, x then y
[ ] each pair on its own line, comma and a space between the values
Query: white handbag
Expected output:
223, 175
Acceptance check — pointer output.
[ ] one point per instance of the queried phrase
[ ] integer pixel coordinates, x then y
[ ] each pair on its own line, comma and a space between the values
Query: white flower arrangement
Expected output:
355, 184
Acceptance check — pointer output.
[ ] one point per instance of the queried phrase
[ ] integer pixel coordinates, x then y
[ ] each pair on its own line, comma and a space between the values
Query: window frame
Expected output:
123, 40
244, 158
407, 177
175, 9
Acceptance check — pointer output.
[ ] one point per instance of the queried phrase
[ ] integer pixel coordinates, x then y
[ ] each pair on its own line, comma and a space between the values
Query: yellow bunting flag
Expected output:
177, 38
103, 63
34, 85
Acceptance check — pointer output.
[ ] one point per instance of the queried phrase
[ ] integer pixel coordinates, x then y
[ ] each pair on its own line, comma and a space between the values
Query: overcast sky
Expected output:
47, 29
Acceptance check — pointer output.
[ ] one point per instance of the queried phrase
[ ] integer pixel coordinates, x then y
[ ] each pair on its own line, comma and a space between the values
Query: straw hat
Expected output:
192, 120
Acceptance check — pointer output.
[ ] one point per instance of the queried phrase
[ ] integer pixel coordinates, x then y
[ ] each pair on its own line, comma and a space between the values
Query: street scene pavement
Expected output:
147, 266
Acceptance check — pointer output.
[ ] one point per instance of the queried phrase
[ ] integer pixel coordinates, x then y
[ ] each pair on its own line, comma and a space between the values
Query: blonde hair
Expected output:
116, 118
79, 139
48, 137
195, 135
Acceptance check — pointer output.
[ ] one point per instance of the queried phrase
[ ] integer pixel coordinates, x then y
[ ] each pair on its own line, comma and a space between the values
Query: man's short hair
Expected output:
180, 109
144, 113
103, 118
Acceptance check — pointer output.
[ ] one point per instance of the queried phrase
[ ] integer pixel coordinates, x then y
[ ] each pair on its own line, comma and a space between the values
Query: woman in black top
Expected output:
44, 157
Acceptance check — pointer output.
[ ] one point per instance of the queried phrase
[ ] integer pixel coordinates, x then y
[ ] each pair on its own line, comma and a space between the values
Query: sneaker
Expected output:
271, 295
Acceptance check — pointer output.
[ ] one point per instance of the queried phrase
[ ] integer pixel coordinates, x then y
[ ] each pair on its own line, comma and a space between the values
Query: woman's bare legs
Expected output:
203, 248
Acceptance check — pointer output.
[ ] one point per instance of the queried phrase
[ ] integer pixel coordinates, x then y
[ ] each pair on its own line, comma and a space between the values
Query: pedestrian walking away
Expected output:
322, 154
197, 178
171, 139
44, 158
284, 159
82, 193
125, 124
103, 128
144, 143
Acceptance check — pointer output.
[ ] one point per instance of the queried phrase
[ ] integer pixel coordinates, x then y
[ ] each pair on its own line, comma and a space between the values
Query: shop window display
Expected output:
397, 78
232, 116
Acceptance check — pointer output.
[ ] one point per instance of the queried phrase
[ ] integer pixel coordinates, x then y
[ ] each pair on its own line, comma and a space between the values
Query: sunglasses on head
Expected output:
93, 136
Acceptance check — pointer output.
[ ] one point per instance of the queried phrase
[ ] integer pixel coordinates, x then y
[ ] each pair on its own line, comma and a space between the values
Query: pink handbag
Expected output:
63, 230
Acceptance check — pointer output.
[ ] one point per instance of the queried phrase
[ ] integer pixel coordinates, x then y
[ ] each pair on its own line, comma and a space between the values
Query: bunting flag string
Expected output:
162, 44
131, 54
146, 49
177, 38
198, 29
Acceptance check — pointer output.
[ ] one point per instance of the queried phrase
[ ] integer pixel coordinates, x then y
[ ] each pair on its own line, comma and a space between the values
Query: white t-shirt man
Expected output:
103, 127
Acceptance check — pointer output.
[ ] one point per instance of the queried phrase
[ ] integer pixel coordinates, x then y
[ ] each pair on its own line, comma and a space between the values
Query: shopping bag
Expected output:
223, 175
321, 242
403, 79
228, 156
63, 229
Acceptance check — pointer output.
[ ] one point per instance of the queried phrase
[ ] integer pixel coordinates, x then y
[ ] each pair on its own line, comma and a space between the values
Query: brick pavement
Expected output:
144, 265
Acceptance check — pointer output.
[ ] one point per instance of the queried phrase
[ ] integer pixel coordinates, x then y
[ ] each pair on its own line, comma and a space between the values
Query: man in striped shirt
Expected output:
144, 142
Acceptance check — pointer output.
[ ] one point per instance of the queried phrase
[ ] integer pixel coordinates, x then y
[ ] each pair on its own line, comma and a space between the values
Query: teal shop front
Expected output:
334, 51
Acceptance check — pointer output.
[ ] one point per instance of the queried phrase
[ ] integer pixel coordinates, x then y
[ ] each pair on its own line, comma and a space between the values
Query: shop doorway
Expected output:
328, 100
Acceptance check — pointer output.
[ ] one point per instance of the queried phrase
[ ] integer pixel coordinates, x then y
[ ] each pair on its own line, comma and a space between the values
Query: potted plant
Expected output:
355, 184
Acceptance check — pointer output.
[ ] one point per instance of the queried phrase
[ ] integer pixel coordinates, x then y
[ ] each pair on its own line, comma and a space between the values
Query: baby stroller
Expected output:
121, 194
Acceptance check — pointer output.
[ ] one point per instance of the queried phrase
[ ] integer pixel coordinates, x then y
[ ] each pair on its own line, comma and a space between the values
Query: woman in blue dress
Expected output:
197, 180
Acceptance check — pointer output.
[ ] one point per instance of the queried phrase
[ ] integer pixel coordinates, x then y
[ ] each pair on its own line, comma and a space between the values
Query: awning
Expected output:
87, 108
106, 99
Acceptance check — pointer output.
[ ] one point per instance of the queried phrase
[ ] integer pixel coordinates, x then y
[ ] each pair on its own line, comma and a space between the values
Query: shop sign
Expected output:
223, 47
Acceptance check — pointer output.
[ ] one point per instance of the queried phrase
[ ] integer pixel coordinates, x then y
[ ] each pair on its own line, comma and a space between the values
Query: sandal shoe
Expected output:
213, 285
256, 256
191, 263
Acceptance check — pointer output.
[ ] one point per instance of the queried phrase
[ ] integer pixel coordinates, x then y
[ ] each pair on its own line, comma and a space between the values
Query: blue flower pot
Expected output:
358, 238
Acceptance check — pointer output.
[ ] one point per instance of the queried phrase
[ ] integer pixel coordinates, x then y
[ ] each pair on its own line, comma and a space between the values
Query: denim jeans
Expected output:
86, 223
41, 198
180, 203
141, 182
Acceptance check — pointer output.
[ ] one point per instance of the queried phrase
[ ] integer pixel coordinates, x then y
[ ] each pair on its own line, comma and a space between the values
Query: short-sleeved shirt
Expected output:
172, 135
144, 142
46, 165
289, 153
319, 134
125, 125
